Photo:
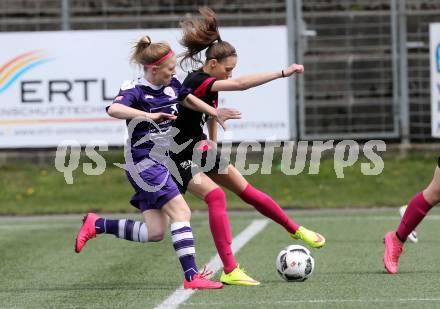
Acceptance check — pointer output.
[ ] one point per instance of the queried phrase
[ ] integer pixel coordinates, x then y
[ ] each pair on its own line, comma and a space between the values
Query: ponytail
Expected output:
202, 33
146, 53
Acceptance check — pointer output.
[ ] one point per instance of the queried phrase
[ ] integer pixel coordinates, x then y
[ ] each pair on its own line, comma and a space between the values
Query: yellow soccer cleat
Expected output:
238, 277
313, 239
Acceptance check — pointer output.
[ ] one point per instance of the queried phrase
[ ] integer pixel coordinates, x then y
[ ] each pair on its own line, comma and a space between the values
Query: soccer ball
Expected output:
295, 263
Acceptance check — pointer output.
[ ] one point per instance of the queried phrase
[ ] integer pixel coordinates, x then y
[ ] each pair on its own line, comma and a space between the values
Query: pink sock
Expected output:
220, 228
417, 209
267, 207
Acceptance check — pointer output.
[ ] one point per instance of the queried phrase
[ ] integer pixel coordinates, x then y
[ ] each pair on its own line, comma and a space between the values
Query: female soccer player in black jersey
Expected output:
213, 76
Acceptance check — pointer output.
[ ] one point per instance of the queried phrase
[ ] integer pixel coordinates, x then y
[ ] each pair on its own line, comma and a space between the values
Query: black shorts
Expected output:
211, 162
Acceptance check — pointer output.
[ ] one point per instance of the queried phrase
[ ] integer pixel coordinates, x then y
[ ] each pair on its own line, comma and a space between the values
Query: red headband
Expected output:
168, 55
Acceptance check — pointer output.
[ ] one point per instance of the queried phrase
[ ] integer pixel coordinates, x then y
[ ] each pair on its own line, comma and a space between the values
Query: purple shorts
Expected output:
158, 177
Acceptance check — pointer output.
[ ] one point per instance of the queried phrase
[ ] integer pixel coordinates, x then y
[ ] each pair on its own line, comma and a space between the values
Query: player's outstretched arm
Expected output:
194, 103
120, 111
254, 80
212, 130
221, 114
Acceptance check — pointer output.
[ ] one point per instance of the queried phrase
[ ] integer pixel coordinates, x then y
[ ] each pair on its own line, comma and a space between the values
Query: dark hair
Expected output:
201, 33
145, 52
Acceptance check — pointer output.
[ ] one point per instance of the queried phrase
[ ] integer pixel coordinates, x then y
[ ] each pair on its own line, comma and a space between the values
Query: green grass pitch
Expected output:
29, 189
39, 268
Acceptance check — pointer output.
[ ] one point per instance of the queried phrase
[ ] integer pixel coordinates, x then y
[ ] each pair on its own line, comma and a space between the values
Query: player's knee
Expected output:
157, 236
216, 200
215, 195
181, 214
221, 194
155, 233
185, 214
178, 210
432, 195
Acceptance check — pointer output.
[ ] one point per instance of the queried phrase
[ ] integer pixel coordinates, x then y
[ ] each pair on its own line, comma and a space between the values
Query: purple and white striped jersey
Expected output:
142, 95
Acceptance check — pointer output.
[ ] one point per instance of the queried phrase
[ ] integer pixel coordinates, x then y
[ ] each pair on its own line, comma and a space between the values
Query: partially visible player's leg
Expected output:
263, 203
412, 237
419, 206
417, 209
432, 192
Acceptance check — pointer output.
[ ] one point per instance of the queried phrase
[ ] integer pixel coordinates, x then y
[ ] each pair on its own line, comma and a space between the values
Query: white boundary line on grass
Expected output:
215, 264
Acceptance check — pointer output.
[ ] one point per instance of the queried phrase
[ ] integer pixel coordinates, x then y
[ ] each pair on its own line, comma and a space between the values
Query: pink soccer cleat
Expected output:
86, 232
393, 250
200, 281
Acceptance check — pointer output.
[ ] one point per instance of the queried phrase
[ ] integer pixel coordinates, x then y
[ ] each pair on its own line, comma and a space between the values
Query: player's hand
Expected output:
160, 117
224, 114
294, 68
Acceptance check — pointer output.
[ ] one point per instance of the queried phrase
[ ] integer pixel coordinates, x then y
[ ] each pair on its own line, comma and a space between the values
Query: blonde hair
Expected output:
145, 52
201, 33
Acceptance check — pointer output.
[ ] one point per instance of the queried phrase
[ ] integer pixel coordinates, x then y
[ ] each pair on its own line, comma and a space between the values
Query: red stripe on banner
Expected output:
201, 90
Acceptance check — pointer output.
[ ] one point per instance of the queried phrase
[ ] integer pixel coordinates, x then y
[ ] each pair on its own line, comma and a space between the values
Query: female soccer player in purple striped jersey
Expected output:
206, 82
154, 97
416, 210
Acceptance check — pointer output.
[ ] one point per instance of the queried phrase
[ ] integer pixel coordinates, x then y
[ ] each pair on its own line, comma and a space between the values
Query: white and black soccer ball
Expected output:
295, 263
